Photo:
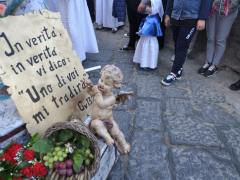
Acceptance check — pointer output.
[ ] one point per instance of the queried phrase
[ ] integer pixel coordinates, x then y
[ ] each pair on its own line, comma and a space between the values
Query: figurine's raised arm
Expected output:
106, 102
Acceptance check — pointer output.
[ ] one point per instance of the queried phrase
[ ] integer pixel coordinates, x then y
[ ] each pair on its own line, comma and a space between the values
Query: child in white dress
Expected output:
146, 53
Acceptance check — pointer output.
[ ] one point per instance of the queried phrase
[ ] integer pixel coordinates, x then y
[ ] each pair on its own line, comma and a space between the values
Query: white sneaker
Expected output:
126, 35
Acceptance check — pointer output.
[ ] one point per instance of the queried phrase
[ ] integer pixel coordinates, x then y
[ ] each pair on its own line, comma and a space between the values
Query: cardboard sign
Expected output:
45, 76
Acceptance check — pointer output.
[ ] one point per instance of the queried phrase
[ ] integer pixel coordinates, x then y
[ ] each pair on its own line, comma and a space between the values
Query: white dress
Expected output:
104, 15
76, 19
146, 53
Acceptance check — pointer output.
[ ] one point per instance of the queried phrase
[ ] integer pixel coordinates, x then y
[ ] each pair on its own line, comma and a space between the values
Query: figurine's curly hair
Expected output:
114, 73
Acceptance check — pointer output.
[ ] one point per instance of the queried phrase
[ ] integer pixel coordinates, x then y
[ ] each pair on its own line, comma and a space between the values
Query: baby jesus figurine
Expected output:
103, 122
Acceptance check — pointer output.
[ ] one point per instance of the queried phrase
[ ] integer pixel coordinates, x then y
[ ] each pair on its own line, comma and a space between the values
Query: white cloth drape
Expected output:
146, 53
104, 14
76, 19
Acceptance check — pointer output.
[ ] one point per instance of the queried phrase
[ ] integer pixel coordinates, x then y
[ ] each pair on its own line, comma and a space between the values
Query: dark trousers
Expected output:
134, 19
91, 8
182, 37
162, 38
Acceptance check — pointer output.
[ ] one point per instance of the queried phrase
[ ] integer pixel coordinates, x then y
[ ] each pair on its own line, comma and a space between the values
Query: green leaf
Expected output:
53, 136
82, 141
43, 146
34, 139
85, 142
23, 165
5, 175
77, 160
65, 135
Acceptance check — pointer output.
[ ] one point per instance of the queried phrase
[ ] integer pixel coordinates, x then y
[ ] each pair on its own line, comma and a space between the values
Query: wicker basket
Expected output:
78, 126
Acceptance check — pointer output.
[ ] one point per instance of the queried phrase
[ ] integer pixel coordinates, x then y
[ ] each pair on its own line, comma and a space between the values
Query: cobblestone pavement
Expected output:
188, 131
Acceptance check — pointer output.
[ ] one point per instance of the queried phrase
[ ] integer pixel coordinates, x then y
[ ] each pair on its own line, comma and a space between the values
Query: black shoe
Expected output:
99, 27
235, 86
127, 48
211, 70
179, 74
204, 68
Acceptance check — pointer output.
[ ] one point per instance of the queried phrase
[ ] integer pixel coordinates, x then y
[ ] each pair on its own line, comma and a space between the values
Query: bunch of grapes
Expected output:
58, 154
64, 168
89, 156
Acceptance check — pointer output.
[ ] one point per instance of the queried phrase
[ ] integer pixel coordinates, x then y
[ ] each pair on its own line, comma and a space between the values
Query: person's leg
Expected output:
134, 26
161, 39
175, 31
224, 25
134, 19
211, 41
99, 13
183, 40
131, 18
91, 8
211, 32
182, 37
190, 49
194, 38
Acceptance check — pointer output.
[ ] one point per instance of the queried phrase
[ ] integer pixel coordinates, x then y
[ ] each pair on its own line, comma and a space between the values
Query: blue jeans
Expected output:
182, 37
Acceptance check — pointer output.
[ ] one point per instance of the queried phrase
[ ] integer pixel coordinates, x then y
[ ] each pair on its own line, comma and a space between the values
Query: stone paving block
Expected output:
219, 116
109, 40
125, 122
148, 157
146, 71
127, 72
178, 107
103, 57
233, 141
149, 86
117, 172
123, 57
195, 164
148, 115
186, 130
203, 92
174, 92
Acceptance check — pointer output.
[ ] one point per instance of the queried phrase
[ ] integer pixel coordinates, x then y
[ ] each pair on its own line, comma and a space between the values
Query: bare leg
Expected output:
99, 127
121, 142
